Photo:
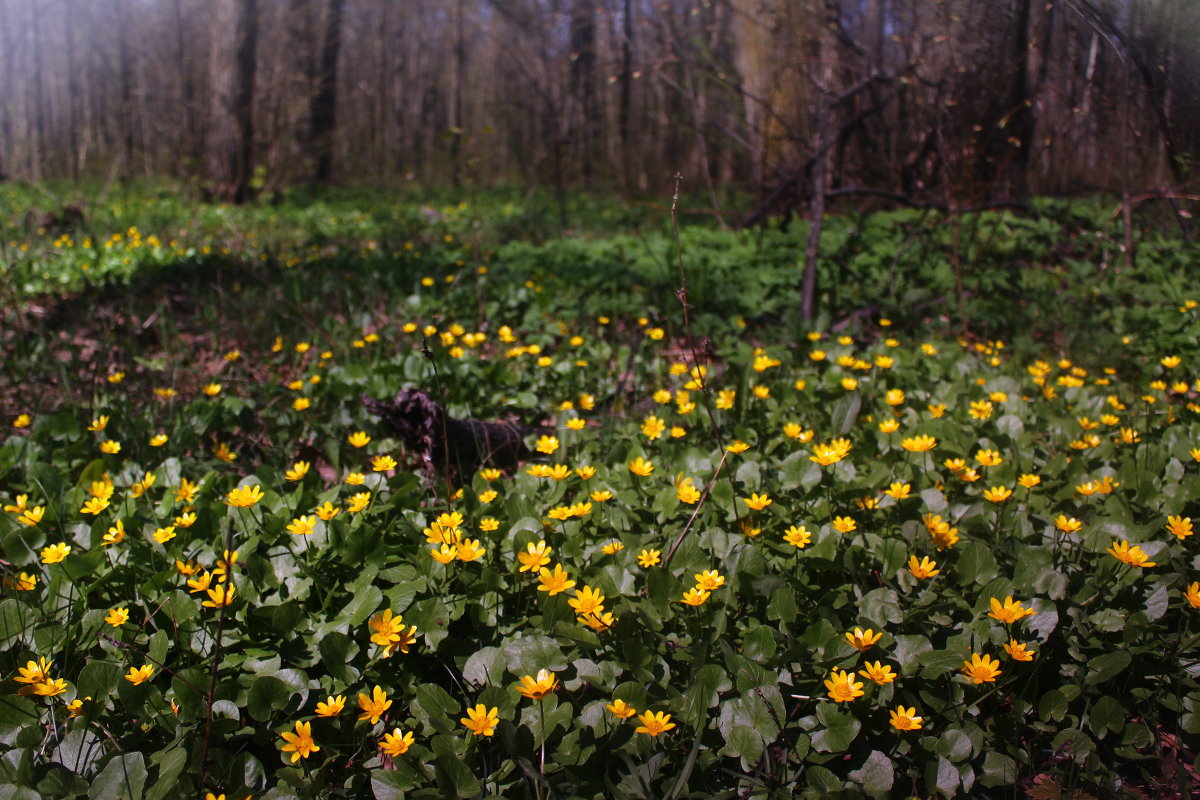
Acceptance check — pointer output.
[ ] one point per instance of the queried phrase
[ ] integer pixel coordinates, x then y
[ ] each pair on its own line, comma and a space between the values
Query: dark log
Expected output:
452, 448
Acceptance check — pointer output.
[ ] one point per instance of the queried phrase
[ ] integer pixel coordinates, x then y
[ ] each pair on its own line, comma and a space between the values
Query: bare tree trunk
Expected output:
324, 104
626, 101
583, 80
460, 69
231, 141
191, 138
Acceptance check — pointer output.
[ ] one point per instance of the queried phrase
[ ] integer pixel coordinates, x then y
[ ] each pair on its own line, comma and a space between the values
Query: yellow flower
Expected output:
905, 719
33, 672
648, 558
726, 399
878, 672
186, 491
327, 511
831, 453
219, 597
981, 409
1192, 594
358, 502
164, 535
298, 471
358, 439
110, 446
244, 496
757, 502
445, 553
889, 426
212, 389
842, 687
988, 458
94, 505
32, 516
55, 553
620, 709
1017, 651
537, 688
894, 397
396, 743
936, 410
22, 421
1133, 556
695, 596
997, 494
374, 706
302, 526
686, 491
585, 472
849, 384
844, 524
640, 466
1009, 611
481, 720
1067, 524
331, 706
300, 744
587, 601
600, 496
115, 377
139, 675
470, 550
600, 621
738, 446
554, 582
1029, 480
488, 524
534, 557
922, 569
1170, 362
51, 687
981, 669
899, 491
709, 580
117, 617
98, 424
383, 463
301, 403
200, 584
1180, 527
653, 427
654, 723
861, 640
797, 536
24, 582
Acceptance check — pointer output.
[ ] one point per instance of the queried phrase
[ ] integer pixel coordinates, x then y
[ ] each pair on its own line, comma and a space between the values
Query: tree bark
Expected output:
324, 104
232, 69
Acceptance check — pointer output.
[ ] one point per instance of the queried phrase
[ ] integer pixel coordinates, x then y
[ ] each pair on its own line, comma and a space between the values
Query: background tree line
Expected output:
947, 103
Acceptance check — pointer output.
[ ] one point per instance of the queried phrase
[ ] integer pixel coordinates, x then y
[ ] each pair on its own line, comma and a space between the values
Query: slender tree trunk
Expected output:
324, 104
583, 81
191, 139
460, 69
231, 141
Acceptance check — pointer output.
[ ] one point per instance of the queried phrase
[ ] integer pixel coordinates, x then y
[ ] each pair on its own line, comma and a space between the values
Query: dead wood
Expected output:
451, 448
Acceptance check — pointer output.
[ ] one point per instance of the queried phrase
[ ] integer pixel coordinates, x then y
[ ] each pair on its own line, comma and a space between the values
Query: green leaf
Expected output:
170, 764
1053, 706
954, 744
937, 663
876, 775
1107, 666
998, 770
1107, 714
454, 777
840, 729
943, 776
124, 777
267, 696
485, 668
525, 655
